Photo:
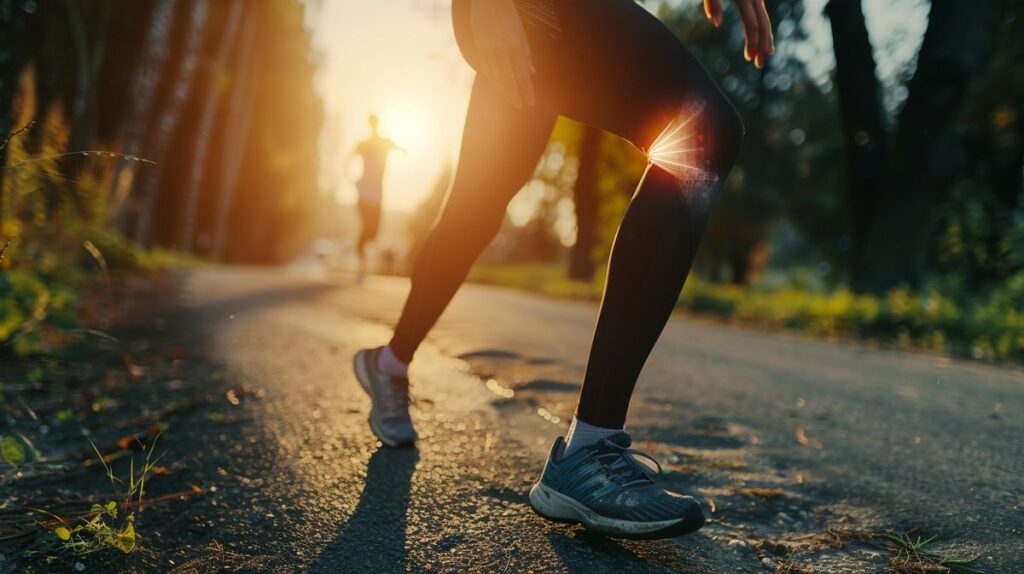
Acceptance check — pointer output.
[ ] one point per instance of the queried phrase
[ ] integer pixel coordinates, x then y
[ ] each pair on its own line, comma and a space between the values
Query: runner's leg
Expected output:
500, 149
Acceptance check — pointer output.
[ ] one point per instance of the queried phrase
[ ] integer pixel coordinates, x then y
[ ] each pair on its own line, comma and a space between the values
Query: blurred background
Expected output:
879, 193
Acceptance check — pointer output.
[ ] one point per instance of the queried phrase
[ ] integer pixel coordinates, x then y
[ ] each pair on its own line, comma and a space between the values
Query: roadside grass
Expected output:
71, 535
988, 327
906, 552
913, 556
108, 526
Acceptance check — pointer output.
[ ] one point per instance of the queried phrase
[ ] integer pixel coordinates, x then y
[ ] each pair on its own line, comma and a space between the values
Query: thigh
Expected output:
500, 149
615, 66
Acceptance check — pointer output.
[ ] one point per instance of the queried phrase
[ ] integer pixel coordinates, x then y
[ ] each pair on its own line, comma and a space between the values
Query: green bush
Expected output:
984, 326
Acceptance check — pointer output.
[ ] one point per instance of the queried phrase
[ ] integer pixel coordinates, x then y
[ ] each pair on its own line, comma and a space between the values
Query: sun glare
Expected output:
406, 124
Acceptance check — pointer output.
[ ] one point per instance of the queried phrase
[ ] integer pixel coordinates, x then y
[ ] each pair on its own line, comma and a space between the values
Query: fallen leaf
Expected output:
727, 464
760, 491
62, 533
802, 438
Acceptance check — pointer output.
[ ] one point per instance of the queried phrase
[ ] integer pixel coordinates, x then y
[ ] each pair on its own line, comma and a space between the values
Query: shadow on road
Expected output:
250, 301
581, 550
373, 539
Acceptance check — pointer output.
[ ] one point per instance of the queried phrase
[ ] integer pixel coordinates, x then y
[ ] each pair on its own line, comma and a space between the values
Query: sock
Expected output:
582, 434
390, 365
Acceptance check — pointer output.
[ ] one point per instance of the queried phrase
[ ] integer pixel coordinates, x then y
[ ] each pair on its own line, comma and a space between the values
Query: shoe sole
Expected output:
555, 506
364, 378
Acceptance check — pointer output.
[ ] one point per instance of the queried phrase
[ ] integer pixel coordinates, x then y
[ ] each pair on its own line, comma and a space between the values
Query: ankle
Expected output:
389, 364
582, 434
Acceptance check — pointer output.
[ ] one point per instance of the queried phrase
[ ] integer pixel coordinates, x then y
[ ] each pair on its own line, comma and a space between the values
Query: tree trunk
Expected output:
144, 85
585, 199
864, 134
90, 50
193, 188
184, 78
243, 102
930, 149
12, 53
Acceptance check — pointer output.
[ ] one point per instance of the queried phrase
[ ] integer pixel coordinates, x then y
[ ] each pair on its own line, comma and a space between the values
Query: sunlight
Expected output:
406, 124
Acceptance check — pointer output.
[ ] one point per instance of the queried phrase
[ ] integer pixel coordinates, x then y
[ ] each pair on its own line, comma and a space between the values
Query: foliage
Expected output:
58, 242
989, 328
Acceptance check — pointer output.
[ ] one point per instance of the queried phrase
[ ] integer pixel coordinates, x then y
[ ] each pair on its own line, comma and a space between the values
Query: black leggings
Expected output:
610, 64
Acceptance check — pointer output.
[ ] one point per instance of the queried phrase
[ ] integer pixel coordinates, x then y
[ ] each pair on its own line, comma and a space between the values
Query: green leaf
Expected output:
17, 450
62, 533
125, 540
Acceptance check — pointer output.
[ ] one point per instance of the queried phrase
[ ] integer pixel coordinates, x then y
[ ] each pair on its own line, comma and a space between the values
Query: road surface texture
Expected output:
799, 449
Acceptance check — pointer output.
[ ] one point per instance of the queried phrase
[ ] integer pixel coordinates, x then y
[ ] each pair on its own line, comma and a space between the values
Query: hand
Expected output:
760, 43
505, 58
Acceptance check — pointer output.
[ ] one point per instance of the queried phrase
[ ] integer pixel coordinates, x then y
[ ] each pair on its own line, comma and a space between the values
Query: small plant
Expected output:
912, 555
110, 525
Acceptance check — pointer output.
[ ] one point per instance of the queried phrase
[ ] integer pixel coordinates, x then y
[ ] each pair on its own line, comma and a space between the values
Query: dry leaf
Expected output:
761, 491
802, 438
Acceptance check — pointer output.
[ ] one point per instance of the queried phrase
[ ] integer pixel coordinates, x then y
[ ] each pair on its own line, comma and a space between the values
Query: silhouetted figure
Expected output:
374, 151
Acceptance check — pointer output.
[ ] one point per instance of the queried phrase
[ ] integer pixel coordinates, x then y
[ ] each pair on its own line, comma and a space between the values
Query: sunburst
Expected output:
680, 149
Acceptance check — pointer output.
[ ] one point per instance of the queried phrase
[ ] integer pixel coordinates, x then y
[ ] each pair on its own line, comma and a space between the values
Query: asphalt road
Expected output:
785, 438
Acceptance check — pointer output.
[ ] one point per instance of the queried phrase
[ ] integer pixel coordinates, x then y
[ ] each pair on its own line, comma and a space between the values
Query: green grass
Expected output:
989, 327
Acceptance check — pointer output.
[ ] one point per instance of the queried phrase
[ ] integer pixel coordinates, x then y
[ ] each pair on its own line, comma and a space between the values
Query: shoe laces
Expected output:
626, 469
395, 397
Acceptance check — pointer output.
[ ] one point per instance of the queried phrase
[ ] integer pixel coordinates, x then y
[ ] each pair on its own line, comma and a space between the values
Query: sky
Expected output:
398, 59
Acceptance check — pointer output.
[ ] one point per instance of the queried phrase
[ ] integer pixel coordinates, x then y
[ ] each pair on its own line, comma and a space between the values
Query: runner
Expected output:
610, 64
374, 151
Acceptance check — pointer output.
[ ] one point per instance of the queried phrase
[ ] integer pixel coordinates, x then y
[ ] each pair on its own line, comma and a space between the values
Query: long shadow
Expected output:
582, 551
373, 538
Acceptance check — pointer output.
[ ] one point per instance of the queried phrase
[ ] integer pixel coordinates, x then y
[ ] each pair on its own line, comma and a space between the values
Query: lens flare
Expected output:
680, 150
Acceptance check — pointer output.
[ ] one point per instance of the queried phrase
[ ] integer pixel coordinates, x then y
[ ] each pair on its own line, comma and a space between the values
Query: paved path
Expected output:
785, 437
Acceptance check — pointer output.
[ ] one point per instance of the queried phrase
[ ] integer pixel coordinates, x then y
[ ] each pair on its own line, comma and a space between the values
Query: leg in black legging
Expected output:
500, 149
611, 64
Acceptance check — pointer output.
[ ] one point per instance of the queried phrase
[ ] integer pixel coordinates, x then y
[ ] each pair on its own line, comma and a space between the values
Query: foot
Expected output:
605, 488
389, 415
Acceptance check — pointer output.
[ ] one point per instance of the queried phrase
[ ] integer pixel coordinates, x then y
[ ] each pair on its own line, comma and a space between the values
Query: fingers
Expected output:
713, 11
750, 28
767, 43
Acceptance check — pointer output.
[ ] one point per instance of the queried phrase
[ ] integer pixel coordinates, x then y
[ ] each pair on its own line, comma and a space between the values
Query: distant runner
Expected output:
374, 151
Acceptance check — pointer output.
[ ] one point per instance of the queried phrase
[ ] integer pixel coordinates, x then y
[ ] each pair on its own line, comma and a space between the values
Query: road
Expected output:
785, 438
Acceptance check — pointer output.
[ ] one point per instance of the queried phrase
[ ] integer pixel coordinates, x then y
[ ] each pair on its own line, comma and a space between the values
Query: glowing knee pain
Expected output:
681, 150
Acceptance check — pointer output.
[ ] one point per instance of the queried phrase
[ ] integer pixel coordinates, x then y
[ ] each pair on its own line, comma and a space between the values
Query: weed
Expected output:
110, 525
912, 556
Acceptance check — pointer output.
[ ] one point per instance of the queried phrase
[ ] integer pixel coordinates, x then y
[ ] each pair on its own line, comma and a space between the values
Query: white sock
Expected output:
390, 365
582, 434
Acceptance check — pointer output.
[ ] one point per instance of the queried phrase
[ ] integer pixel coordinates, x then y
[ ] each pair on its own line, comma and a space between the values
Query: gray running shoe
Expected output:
389, 415
606, 489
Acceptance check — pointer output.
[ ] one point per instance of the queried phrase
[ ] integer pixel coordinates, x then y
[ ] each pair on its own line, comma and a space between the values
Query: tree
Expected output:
208, 115
897, 180
243, 100
12, 57
183, 78
145, 81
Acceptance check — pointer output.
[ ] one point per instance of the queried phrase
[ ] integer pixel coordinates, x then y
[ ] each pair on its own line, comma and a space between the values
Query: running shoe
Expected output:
605, 488
389, 413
